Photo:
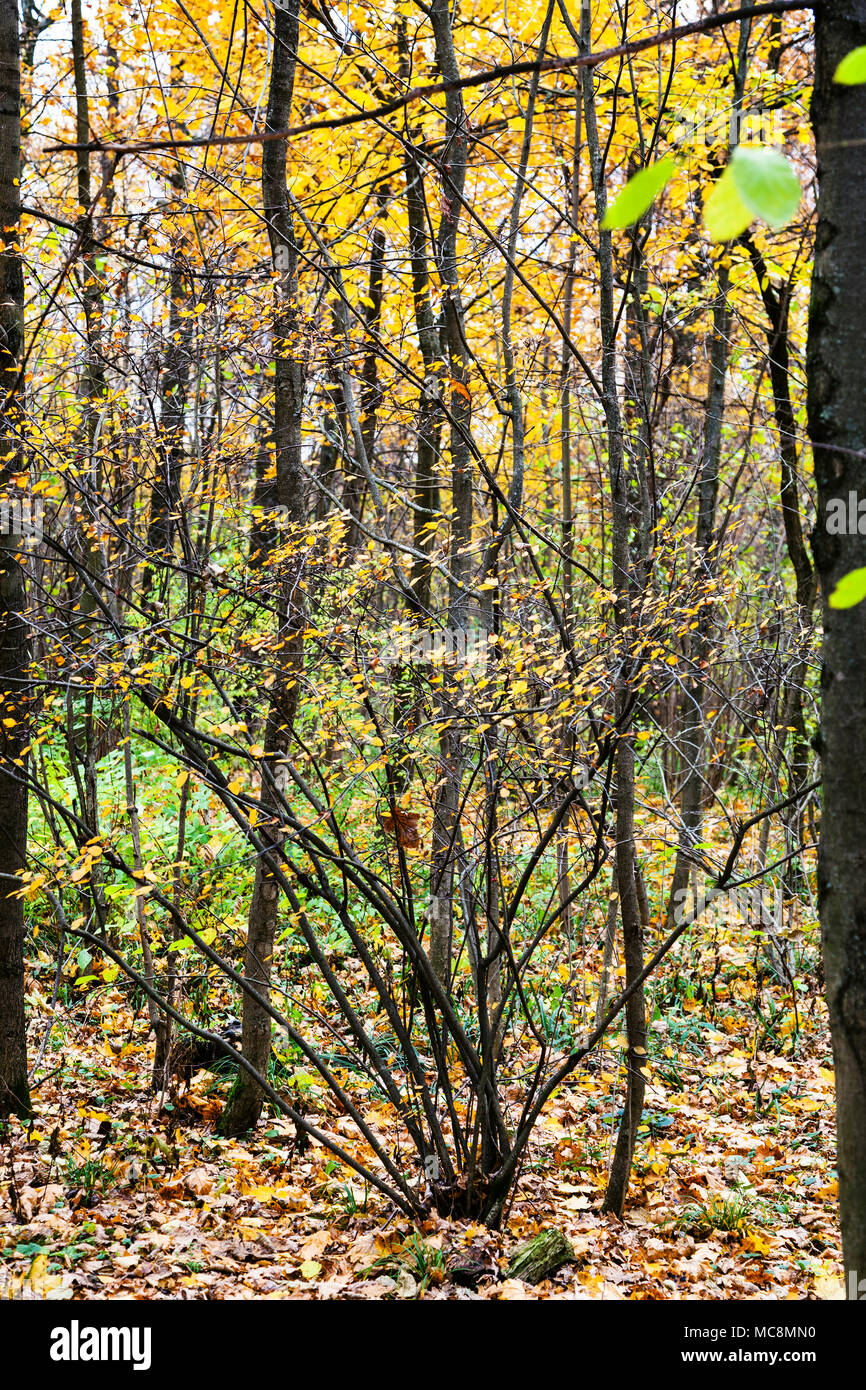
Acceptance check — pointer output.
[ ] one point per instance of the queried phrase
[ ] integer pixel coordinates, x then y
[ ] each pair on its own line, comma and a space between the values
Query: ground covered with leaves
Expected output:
733, 1193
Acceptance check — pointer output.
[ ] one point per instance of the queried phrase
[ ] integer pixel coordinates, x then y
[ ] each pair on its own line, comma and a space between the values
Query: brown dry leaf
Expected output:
510, 1291
333, 1287
367, 1249
406, 822
173, 1191
199, 1182
315, 1245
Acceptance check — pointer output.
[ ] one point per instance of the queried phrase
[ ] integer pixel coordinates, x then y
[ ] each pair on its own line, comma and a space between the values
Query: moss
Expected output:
540, 1257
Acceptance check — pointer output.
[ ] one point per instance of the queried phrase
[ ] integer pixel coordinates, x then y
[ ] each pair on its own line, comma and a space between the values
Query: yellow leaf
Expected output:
760, 1245
310, 1269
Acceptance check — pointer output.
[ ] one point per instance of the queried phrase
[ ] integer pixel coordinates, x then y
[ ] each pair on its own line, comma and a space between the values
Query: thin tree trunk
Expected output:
632, 934
608, 952
567, 502
92, 391
694, 697
160, 1023
92, 383
426, 497
14, 674
245, 1102
451, 754
371, 394
165, 499
776, 307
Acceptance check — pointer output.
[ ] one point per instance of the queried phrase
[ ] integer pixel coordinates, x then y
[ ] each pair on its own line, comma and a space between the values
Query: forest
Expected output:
432, 650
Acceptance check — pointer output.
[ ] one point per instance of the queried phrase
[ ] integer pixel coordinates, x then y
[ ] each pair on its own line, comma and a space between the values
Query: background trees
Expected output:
422, 625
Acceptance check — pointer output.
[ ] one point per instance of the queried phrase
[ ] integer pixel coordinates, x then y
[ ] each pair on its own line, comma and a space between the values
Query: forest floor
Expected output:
732, 1196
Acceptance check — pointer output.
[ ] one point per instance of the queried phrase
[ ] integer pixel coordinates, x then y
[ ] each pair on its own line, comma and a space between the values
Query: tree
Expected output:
14, 654
245, 1103
837, 428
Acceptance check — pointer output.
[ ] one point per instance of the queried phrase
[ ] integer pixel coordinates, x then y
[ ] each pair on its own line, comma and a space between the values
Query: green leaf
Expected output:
758, 182
725, 214
639, 193
766, 183
852, 69
850, 589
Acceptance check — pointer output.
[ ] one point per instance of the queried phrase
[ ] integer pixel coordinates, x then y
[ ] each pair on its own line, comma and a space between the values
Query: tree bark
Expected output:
429, 428
451, 752
776, 305
14, 652
632, 934
371, 394
694, 698
165, 499
836, 374
245, 1102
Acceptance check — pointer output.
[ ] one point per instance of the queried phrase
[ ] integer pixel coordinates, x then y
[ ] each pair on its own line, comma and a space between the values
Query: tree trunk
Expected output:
92, 384
836, 369
165, 500
776, 305
245, 1102
694, 698
446, 808
14, 675
371, 393
429, 426
632, 934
